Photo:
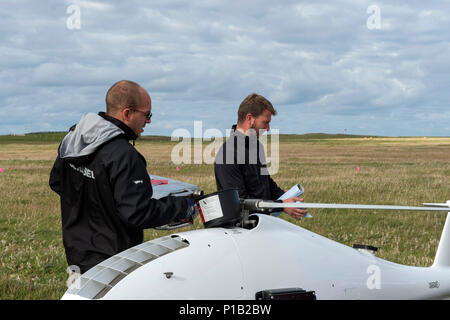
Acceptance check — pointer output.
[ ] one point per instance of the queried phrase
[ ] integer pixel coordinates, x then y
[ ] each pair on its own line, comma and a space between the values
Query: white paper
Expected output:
295, 191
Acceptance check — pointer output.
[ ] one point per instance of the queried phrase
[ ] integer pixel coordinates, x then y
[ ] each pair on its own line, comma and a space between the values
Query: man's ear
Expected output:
125, 114
249, 119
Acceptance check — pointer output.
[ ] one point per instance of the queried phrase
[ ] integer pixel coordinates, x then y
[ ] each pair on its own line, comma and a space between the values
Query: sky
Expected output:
348, 66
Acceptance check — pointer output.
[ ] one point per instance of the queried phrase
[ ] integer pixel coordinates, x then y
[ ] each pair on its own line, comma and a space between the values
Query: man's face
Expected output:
262, 122
139, 117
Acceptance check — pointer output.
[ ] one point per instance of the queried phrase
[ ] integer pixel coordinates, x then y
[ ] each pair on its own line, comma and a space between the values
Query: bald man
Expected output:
102, 180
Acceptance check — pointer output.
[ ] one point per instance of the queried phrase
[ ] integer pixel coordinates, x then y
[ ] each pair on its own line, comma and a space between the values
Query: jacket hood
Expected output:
90, 133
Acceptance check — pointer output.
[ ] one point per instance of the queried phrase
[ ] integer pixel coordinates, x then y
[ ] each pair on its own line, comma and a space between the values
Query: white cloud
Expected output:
92, 5
199, 59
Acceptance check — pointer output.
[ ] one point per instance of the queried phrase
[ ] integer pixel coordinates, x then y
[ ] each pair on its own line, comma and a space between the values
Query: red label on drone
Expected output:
157, 182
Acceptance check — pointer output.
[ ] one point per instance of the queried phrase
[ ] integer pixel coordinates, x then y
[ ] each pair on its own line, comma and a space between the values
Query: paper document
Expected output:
296, 191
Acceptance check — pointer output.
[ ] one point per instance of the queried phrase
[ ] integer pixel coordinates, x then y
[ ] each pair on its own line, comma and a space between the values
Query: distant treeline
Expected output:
35, 137
315, 136
56, 137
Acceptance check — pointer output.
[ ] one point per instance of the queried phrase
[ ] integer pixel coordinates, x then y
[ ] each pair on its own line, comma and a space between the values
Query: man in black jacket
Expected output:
240, 162
104, 187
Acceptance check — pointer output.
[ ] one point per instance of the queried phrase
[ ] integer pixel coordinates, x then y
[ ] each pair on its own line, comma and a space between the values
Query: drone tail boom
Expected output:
442, 259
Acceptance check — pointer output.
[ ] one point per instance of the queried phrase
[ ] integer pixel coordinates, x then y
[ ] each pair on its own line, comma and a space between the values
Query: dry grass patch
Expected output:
392, 171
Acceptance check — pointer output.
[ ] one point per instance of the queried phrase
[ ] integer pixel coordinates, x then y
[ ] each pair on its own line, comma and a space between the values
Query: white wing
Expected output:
163, 187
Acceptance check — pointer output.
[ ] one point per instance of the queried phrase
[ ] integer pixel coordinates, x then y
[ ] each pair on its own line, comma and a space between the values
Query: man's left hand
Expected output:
295, 213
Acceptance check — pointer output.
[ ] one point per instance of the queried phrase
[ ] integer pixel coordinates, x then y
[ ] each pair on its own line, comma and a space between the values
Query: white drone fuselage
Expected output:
236, 263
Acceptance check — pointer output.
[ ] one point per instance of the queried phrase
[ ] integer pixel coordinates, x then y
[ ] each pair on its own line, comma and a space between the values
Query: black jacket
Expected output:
105, 192
240, 163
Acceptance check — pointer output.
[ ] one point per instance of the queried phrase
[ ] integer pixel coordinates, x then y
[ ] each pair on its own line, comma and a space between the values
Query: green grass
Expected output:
404, 171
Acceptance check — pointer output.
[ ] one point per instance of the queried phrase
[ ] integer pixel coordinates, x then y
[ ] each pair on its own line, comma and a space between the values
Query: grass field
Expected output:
403, 171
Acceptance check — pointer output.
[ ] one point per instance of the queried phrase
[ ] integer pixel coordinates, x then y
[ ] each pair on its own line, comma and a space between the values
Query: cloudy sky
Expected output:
360, 67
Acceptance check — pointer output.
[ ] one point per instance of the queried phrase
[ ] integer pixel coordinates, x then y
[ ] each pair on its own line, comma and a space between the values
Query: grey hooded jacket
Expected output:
105, 192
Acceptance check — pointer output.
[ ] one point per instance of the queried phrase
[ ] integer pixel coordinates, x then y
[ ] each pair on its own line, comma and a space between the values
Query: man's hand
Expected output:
295, 213
192, 211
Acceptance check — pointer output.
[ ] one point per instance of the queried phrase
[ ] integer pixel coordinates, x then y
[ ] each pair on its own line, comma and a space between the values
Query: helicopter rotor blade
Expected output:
447, 204
303, 205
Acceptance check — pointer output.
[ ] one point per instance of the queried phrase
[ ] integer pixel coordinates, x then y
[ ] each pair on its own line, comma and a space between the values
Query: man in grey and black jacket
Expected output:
104, 187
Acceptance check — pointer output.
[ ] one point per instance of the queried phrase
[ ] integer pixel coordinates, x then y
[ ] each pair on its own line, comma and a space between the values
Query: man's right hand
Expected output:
192, 210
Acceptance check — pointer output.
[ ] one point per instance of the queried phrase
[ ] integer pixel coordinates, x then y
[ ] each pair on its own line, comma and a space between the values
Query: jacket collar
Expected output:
236, 132
129, 133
